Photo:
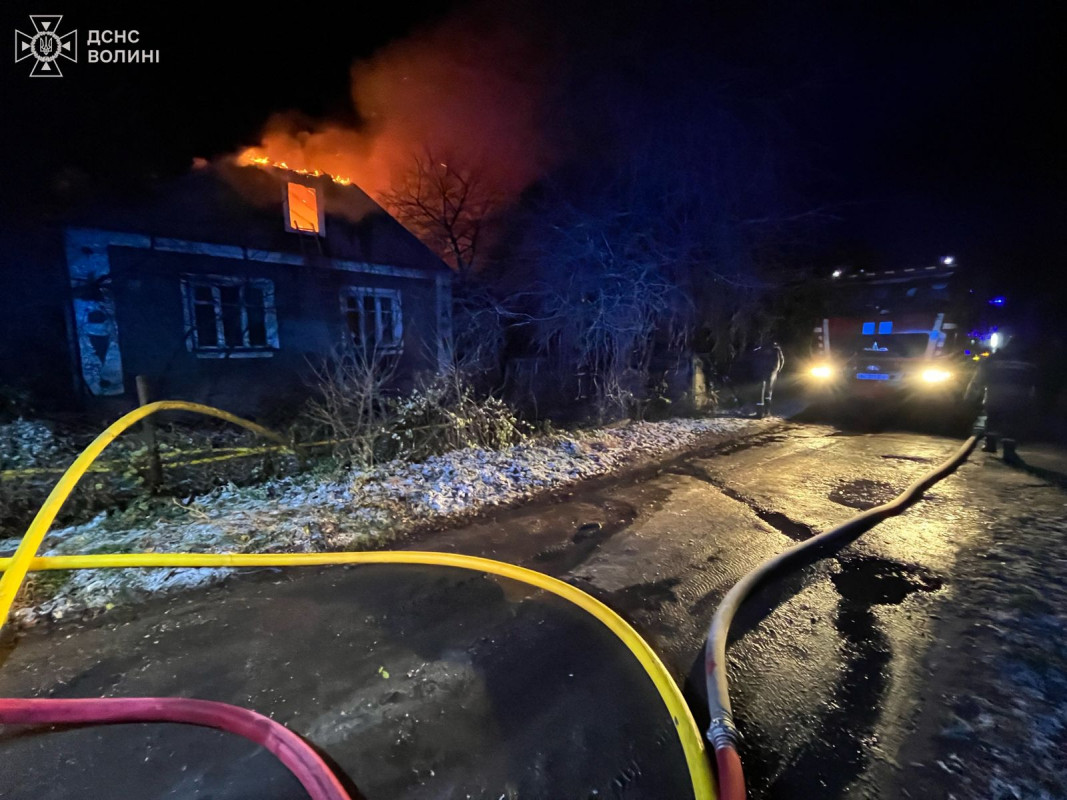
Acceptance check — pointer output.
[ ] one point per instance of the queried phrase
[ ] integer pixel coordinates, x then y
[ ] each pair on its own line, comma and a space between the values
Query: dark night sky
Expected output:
930, 127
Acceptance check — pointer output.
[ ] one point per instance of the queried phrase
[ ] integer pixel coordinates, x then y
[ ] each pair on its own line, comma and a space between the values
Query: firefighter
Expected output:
768, 361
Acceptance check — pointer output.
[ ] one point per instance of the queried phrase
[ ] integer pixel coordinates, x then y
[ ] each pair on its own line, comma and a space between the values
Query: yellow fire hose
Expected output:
26, 560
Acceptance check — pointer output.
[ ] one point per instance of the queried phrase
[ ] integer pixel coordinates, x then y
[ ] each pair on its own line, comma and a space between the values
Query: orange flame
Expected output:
469, 90
257, 157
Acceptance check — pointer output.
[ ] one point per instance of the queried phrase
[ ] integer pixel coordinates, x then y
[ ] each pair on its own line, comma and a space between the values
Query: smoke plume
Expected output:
469, 90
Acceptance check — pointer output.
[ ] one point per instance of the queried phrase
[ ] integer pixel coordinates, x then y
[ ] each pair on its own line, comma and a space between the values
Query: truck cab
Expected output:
896, 335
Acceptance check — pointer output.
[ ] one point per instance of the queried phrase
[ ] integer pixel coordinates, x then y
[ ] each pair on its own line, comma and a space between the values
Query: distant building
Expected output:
225, 287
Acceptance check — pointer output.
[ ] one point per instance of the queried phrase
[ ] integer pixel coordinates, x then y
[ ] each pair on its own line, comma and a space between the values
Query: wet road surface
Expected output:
433, 683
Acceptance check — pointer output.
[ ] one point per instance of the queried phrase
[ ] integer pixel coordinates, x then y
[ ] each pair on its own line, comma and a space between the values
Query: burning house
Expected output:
228, 286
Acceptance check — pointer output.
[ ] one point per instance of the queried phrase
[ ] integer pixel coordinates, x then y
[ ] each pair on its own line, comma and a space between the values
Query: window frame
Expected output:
319, 209
215, 283
360, 294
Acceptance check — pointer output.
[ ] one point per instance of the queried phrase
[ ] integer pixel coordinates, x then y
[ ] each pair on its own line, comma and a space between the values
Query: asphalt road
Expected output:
433, 683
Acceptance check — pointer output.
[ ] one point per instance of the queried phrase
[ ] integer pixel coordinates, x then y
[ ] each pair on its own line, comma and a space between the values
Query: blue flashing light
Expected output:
885, 327
997, 301
966, 352
868, 329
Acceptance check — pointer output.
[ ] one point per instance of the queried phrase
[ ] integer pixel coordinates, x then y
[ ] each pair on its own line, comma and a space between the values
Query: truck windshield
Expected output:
913, 295
894, 345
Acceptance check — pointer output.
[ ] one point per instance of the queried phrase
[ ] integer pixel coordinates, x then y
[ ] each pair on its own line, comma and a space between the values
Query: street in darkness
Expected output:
658, 300
860, 677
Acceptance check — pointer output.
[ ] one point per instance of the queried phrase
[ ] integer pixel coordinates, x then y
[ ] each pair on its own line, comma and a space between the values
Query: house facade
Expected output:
229, 287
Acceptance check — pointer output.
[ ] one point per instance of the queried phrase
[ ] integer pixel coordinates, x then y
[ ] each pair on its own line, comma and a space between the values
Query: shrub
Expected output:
350, 405
367, 425
445, 415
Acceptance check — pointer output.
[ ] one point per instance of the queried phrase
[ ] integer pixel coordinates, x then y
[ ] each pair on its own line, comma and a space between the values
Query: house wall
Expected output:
88, 304
35, 344
154, 342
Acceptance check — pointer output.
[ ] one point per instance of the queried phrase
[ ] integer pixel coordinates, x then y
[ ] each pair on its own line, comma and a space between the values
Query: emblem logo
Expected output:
46, 46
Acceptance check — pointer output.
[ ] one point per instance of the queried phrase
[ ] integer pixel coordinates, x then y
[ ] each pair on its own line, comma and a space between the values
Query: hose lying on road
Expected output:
288, 747
722, 733
42, 522
298, 756
681, 717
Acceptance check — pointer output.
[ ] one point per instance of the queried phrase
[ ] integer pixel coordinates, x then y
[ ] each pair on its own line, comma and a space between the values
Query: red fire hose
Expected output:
730, 777
297, 755
315, 776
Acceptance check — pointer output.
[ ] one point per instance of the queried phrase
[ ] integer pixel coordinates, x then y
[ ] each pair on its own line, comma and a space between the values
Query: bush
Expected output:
350, 405
367, 425
445, 415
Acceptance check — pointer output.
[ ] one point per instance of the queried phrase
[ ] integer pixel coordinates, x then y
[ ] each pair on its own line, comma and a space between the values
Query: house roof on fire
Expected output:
243, 206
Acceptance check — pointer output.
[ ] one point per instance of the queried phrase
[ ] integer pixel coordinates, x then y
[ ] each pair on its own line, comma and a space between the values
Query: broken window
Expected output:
302, 210
374, 319
229, 316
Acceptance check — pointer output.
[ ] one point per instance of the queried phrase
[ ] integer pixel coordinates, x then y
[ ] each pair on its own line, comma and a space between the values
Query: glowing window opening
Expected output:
303, 213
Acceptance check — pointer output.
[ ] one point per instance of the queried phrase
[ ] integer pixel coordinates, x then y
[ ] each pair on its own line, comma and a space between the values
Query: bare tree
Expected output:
350, 403
636, 259
610, 298
447, 204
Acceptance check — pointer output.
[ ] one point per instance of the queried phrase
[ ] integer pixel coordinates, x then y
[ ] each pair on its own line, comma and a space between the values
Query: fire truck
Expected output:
901, 335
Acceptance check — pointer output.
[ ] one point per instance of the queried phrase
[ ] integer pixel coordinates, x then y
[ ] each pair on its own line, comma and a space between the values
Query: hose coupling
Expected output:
723, 733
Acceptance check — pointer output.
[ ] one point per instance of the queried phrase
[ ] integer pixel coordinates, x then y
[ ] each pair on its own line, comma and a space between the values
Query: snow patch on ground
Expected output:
25, 443
360, 510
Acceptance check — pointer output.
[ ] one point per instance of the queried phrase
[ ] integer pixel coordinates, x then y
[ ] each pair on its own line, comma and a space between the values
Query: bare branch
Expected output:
446, 204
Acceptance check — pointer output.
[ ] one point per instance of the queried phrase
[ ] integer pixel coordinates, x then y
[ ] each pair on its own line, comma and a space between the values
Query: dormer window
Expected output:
303, 209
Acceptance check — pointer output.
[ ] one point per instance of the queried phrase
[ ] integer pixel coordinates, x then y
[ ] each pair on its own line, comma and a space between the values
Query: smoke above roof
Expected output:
469, 90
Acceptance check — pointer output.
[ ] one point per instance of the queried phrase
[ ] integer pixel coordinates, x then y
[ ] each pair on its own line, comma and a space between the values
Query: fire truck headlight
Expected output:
822, 372
936, 375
